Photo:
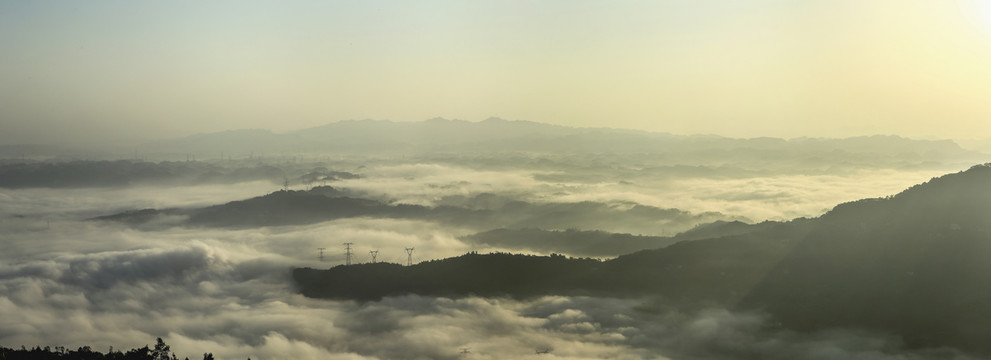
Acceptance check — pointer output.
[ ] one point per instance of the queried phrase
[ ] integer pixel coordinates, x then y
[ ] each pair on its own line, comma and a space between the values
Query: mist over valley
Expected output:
636, 245
390, 180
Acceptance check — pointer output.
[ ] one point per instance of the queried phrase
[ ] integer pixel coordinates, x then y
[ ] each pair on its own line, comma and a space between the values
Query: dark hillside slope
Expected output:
711, 271
470, 274
917, 264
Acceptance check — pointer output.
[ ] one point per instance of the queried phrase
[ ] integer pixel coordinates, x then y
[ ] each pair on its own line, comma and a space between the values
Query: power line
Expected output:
409, 256
347, 253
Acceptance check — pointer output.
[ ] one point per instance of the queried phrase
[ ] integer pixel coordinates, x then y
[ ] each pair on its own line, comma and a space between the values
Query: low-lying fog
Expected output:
70, 282
772, 197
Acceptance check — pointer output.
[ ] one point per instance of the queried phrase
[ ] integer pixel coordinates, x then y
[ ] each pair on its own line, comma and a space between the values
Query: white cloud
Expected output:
72, 283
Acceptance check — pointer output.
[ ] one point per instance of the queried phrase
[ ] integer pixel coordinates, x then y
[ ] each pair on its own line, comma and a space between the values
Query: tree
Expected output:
161, 351
143, 353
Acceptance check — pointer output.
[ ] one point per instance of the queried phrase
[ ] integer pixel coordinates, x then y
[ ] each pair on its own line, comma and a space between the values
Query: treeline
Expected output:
160, 351
494, 274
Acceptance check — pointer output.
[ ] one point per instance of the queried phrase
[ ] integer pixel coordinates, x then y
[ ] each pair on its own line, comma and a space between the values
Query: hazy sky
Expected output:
111, 69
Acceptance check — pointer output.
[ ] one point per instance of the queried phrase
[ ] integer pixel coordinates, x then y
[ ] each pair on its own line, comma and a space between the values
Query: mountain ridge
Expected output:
912, 264
494, 135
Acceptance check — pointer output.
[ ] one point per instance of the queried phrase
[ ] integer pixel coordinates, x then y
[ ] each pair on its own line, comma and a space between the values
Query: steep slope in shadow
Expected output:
915, 264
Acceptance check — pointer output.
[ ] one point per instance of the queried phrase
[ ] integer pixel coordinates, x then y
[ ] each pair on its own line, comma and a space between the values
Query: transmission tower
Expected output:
374, 253
321, 253
409, 256
347, 253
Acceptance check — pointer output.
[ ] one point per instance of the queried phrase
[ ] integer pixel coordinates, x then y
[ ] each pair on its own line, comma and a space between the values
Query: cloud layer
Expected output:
73, 283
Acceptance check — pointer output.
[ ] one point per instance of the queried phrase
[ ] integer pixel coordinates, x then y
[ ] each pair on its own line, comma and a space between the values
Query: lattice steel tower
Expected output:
347, 253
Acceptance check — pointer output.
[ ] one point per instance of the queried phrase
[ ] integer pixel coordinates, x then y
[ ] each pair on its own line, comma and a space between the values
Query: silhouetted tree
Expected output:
143, 353
161, 351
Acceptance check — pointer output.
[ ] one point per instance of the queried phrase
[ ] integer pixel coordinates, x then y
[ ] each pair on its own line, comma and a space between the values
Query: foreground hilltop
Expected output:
914, 264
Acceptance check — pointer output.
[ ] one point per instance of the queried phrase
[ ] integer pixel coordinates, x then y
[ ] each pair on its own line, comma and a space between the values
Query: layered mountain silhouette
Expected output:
482, 211
444, 134
451, 139
915, 264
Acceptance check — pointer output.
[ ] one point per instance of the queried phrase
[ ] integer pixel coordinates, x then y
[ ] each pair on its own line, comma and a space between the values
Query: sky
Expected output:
111, 70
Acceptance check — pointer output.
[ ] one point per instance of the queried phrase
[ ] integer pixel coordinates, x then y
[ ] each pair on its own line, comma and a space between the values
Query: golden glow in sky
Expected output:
980, 11
741, 68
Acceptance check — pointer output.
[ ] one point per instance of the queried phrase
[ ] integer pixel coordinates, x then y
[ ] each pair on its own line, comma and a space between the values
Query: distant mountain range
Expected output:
914, 264
493, 134
441, 137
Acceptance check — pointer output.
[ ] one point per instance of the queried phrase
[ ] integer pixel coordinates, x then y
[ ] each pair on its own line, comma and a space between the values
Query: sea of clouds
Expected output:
67, 281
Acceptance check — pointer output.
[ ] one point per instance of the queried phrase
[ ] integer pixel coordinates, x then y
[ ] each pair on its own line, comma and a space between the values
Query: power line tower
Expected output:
321, 253
409, 256
374, 253
347, 253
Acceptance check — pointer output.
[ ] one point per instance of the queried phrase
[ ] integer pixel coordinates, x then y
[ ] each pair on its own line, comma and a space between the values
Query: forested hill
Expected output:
916, 264
719, 270
323, 203
913, 264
